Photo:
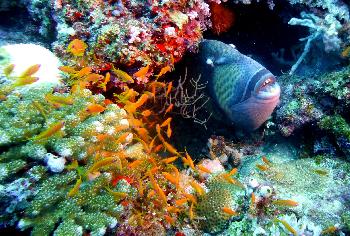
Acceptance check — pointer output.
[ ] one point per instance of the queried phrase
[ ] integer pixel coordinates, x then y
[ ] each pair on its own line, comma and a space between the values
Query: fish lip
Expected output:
273, 91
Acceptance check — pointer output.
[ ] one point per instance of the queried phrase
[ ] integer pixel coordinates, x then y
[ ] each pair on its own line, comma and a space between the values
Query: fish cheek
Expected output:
252, 113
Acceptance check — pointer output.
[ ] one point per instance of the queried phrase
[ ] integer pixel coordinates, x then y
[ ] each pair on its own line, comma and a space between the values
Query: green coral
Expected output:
335, 84
345, 218
336, 124
221, 194
37, 175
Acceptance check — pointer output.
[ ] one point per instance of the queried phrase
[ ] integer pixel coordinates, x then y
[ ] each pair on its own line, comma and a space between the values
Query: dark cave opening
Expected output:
18, 26
260, 32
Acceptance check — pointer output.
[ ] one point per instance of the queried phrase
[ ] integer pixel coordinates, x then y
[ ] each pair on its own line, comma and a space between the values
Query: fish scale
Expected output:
223, 82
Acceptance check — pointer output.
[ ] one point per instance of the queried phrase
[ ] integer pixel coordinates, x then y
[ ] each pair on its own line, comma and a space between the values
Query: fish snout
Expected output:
267, 89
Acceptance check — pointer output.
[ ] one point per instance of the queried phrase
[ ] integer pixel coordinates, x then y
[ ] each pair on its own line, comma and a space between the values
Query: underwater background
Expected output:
182, 117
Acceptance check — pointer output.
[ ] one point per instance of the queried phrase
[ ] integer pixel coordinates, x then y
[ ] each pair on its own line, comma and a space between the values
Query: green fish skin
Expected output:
246, 92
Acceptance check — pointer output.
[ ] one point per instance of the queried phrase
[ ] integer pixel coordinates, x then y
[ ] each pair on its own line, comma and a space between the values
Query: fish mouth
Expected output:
267, 88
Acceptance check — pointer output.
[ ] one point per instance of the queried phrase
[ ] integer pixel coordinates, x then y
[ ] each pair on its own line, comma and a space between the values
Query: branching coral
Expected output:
326, 28
328, 25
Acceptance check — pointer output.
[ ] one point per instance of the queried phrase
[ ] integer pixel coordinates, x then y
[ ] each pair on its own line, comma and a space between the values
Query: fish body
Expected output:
245, 91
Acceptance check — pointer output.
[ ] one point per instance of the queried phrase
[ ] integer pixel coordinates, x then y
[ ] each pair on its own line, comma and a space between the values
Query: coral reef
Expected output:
328, 27
320, 101
76, 162
220, 195
291, 196
45, 163
127, 34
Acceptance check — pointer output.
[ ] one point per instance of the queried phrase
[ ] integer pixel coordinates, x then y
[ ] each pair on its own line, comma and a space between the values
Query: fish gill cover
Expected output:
134, 124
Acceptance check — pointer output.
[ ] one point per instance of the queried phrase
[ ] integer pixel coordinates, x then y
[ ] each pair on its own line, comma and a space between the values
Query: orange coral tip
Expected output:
77, 47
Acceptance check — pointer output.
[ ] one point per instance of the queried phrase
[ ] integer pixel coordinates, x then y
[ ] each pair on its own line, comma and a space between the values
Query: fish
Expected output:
163, 71
181, 201
191, 213
191, 198
172, 209
169, 219
199, 189
21, 81
203, 169
30, 71
266, 161
122, 138
67, 69
233, 171
101, 163
229, 211
330, 230
169, 108
262, 167
134, 164
53, 129
230, 180
170, 85
244, 90
95, 108
146, 113
93, 77
321, 172
75, 188
287, 226
77, 47
172, 179
9, 69
166, 122
141, 188
166, 145
187, 160
142, 72
40, 108
170, 148
117, 195
253, 199
106, 80
287, 202
59, 100
143, 134
83, 72
170, 159
346, 52
160, 192
72, 166
123, 76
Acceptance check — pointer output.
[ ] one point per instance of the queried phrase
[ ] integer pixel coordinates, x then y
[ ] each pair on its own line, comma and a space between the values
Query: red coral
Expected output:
222, 18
